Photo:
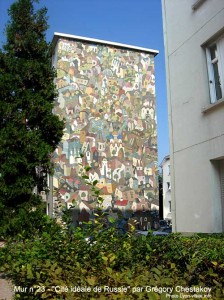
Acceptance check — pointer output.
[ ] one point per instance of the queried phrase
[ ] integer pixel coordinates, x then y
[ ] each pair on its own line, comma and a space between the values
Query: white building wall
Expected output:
166, 190
165, 165
196, 134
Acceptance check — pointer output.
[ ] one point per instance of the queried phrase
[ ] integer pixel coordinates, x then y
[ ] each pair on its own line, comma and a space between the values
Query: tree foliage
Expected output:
29, 131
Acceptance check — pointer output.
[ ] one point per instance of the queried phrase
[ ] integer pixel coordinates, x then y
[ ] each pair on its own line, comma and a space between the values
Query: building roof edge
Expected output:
167, 157
58, 35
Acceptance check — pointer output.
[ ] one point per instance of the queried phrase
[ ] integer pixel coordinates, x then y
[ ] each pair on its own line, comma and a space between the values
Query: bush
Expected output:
47, 261
112, 260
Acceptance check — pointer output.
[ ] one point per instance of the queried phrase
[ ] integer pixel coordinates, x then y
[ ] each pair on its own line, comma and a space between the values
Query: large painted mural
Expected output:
106, 95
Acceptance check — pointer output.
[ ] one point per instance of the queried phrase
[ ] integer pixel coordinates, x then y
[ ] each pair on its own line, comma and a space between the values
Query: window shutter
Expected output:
211, 77
220, 46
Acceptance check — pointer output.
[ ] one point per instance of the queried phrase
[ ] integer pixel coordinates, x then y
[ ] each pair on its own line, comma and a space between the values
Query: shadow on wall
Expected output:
141, 220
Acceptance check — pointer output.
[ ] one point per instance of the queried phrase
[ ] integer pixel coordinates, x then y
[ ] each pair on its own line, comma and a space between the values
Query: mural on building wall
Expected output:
107, 97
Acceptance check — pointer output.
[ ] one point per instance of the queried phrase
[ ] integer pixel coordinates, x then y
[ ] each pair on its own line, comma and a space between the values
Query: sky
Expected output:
132, 22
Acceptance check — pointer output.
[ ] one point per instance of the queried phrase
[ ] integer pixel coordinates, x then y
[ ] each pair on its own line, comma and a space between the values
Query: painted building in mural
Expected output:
106, 95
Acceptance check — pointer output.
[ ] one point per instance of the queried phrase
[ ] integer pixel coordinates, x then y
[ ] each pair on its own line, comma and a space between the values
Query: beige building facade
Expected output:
194, 49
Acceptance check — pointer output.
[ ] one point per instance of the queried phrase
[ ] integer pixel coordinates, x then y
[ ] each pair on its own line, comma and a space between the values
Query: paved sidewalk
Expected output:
6, 290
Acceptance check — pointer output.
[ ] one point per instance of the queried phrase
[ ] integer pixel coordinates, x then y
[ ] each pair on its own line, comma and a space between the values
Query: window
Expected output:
168, 185
215, 60
221, 174
168, 169
218, 190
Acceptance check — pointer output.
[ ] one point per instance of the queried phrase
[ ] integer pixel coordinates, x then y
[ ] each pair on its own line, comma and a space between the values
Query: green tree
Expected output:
29, 131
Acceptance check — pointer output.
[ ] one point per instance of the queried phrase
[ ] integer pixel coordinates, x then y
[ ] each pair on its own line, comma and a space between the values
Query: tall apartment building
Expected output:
106, 95
194, 45
165, 166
